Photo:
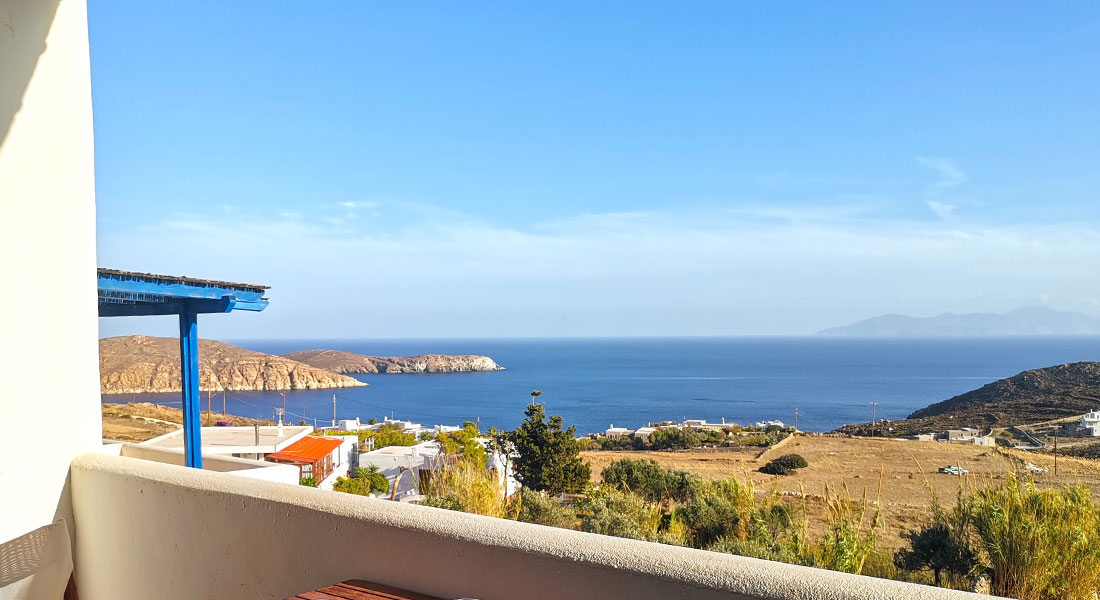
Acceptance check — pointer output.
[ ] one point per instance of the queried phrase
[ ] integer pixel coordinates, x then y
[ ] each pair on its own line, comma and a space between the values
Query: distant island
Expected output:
1031, 320
139, 364
347, 362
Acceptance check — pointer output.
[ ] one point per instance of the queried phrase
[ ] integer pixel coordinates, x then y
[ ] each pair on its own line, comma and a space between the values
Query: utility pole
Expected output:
209, 412
284, 402
795, 418
334, 410
223, 401
874, 407
1055, 451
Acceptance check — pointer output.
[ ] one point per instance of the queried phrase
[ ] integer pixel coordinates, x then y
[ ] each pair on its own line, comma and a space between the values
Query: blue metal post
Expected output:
189, 369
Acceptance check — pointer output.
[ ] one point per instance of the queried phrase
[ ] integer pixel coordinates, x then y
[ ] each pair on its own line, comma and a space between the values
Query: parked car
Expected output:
953, 470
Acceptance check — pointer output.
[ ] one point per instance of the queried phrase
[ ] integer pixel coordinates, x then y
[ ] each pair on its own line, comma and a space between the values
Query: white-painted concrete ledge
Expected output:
148, 529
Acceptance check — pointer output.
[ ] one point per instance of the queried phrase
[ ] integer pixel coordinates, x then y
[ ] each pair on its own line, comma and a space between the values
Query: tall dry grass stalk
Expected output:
1040, 544
466, 486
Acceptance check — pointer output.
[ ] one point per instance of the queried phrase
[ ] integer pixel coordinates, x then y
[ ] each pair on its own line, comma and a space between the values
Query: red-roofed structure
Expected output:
312, 454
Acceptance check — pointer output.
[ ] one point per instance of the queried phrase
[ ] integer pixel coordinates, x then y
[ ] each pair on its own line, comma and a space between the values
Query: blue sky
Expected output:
442, 169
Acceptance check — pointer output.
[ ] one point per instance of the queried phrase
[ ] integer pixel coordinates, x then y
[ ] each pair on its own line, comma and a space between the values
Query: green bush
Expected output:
308, 482
793, 461
541, 509
651, 481
621, 514
674, 438
774, 468
784, 465
386, 435
729, 510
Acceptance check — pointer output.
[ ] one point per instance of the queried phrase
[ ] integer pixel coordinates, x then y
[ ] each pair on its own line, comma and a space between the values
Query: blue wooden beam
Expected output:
137, 285
189, 369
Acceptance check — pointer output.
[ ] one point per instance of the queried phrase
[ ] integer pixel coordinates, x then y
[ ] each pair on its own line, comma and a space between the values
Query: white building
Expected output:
241, 442
1090, 422
643, 433
617, 432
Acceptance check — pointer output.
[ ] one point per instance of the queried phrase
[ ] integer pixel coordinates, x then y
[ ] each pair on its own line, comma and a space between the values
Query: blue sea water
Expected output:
632, 381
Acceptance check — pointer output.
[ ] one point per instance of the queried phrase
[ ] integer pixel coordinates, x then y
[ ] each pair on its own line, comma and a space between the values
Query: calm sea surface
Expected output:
629, 382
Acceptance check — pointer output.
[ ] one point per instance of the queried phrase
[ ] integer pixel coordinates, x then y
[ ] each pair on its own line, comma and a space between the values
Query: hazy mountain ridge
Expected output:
1031, 320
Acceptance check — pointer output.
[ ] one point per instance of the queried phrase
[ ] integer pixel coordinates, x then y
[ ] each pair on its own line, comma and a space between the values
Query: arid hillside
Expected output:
1029, 397
347, 362
138, 363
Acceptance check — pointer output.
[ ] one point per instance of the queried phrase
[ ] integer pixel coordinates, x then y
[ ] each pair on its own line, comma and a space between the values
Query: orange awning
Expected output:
307, 450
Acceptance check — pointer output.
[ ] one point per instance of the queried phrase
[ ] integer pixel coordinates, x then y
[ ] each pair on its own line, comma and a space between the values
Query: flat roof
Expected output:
237, 440
183, 280
130, 293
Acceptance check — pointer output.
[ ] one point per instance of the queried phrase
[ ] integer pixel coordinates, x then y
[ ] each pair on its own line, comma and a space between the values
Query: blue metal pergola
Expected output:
126, 294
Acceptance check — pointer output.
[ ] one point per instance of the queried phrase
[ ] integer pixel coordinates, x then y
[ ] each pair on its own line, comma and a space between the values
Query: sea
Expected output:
630, 382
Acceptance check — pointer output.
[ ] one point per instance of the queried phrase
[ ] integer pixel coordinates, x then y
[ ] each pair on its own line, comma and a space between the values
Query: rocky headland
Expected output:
347, 362
142, 364
1032, 396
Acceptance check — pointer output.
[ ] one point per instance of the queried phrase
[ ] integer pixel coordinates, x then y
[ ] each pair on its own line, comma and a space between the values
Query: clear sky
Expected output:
437, 169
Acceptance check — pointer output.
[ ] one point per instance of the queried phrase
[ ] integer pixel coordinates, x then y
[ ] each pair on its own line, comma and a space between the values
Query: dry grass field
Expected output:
853, 465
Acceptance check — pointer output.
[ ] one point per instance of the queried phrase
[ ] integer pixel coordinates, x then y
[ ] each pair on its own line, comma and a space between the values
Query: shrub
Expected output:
621, 514
673, 438
308, 482
386, 435
784, 465
774, 468
729, 510
651, 481
541, 509
793, 461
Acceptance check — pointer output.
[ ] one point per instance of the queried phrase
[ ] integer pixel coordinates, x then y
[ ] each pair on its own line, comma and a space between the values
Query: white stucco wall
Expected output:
48, 349
151, 530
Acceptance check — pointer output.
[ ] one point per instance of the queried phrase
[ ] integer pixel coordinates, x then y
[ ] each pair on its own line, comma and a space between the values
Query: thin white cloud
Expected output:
661, 273
943, 210
950, 174
364, 204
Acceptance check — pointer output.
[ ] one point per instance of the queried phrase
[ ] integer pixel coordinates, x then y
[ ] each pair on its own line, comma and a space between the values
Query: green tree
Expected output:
938, 548
387, 435
549, 456
363, 482
464, 443
651, 481
675, 438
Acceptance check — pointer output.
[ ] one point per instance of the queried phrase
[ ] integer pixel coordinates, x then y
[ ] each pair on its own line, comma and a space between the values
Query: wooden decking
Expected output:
357, 589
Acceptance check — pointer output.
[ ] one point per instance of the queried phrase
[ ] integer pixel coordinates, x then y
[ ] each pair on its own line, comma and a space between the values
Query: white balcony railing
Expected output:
154, 530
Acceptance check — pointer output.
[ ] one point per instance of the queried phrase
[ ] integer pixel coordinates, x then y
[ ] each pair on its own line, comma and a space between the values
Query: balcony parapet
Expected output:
147, 529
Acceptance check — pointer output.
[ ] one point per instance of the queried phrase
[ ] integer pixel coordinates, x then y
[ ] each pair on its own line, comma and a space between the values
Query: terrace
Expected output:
143, 525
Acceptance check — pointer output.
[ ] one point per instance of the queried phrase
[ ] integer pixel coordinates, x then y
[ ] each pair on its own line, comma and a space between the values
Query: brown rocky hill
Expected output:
347, 362
138, 364
1030, 397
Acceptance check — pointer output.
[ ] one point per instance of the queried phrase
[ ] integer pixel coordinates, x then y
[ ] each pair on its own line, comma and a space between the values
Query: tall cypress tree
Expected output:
549, 456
